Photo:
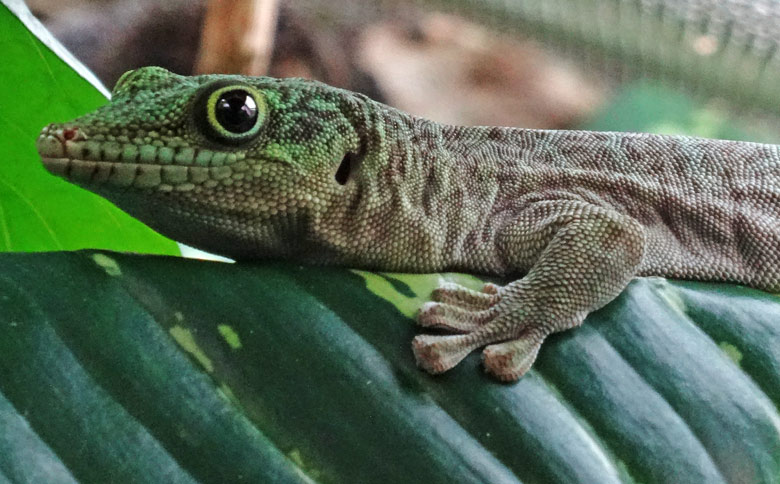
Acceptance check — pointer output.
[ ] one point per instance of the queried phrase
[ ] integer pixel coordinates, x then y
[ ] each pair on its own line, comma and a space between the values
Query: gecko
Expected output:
294, 169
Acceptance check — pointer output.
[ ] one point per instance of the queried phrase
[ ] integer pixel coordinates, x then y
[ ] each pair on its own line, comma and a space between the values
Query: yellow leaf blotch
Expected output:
108, 264
420, 284
230, 336
731, 351
184, 337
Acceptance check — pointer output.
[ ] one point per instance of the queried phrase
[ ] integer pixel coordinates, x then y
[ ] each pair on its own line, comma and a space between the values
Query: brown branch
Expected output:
238, 36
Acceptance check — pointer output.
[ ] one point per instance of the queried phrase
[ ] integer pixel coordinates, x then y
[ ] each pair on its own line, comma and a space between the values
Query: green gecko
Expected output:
255, 168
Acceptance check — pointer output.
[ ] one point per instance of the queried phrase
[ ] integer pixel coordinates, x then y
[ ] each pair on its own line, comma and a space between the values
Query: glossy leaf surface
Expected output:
136, 368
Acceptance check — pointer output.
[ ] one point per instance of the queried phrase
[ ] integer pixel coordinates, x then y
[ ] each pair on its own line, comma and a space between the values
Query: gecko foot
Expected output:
505, 320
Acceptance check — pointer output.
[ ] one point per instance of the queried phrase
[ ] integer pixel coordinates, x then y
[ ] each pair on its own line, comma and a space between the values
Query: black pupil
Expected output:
236, 111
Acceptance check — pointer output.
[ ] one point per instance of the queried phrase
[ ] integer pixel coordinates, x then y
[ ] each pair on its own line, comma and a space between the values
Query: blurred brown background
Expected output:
431, 64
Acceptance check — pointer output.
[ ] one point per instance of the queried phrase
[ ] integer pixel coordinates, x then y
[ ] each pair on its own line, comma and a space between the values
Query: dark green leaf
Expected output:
146, 368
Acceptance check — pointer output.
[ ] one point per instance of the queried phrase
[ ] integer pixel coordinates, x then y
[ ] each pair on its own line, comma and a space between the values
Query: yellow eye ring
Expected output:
235, 112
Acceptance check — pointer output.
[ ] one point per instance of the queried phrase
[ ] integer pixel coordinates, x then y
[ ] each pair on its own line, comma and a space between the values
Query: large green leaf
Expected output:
37, 210
148, 369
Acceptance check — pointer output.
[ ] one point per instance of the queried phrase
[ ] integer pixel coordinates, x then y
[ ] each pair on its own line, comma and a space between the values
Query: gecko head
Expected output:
213, 160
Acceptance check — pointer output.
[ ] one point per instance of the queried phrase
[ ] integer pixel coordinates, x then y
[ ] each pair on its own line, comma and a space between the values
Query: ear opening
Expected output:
347, 166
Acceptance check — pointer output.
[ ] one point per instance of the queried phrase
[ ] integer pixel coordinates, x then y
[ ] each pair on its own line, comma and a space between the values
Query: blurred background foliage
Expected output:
706, 67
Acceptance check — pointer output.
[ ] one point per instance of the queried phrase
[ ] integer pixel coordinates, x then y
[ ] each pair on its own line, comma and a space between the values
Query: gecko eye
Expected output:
230, 114
236, 111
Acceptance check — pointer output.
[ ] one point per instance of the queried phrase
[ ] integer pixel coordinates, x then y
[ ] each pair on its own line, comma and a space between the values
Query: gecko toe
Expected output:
452, 318
457, 295
437, 354
510, 360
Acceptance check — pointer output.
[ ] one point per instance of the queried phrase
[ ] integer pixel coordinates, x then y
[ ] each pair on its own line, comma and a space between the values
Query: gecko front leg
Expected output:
581, 256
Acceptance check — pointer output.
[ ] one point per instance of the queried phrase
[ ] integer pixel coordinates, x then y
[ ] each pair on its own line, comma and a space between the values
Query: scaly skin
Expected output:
327, 176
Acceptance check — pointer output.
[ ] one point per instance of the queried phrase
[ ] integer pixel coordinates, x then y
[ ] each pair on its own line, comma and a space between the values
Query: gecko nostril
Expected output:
70, 133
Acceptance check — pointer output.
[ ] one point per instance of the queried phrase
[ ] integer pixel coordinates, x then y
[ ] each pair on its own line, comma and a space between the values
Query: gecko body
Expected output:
257, 168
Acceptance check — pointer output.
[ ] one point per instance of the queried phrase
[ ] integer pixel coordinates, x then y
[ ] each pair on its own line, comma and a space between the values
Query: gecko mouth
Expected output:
88, 172
66, 153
